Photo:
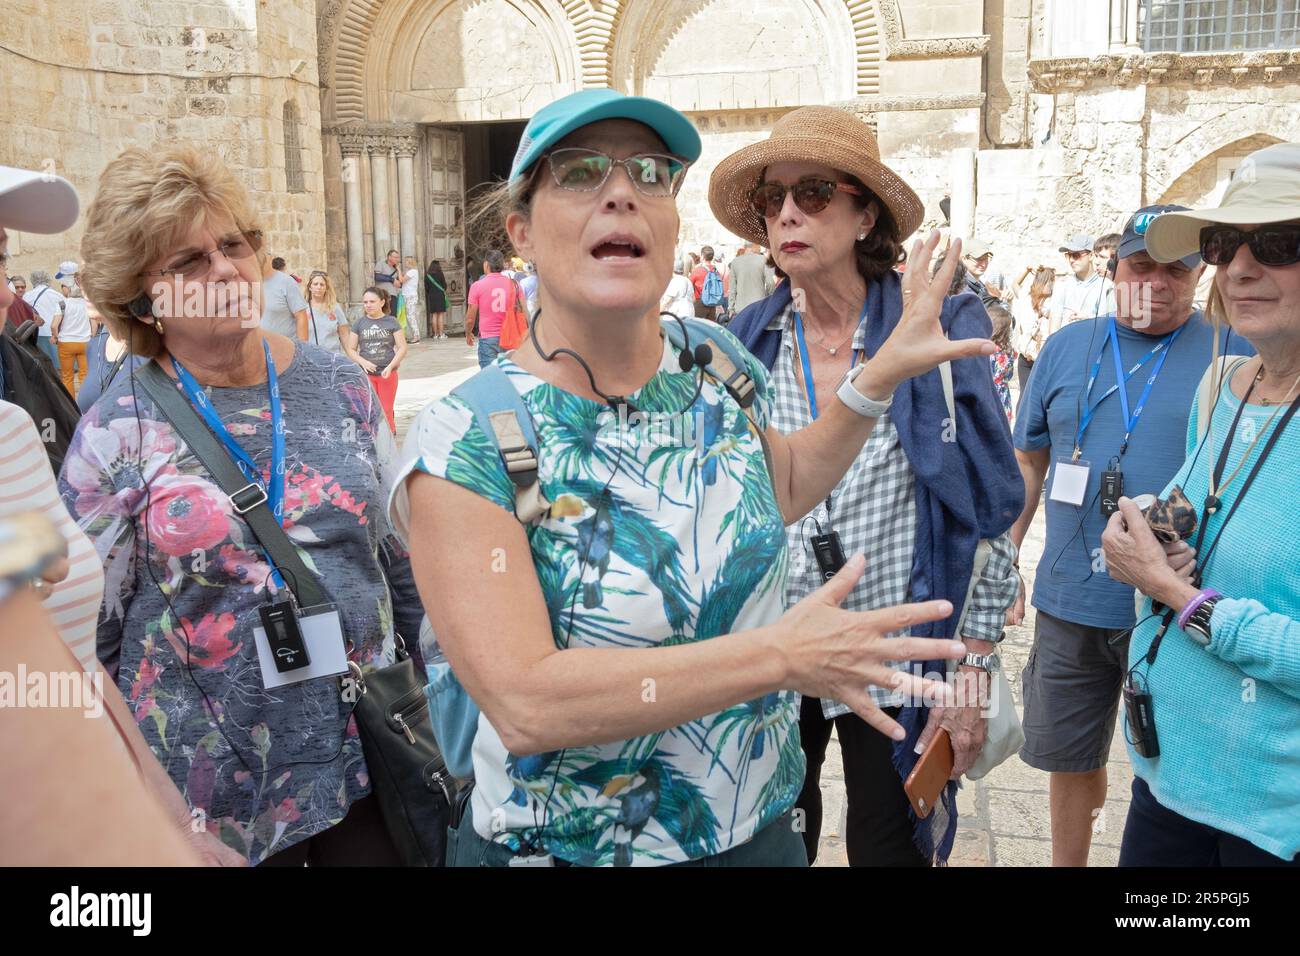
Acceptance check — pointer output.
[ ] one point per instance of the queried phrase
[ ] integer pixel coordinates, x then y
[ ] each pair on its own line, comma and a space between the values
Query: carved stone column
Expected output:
406, 148
354, 147
379, 148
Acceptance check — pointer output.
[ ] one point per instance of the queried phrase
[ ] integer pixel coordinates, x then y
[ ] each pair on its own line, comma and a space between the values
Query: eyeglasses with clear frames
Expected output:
585, 170
196, 265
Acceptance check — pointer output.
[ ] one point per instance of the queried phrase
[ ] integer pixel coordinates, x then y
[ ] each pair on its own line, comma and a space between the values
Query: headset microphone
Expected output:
696, 358
701, 358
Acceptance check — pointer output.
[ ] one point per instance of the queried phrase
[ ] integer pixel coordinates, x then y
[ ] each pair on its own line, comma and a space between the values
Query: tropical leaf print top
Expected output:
263, 769
680, 539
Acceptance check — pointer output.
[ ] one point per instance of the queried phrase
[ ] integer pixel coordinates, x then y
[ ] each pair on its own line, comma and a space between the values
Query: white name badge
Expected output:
322, 633
1070, 481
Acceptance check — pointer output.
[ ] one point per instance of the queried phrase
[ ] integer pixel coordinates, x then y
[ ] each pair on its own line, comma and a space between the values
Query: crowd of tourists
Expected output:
540, 633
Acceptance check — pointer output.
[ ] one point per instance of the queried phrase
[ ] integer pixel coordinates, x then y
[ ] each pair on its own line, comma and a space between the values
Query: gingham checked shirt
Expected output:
873, 508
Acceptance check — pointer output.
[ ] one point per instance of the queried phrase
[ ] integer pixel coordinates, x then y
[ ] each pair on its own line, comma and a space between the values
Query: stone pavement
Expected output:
431, 370
1004, 818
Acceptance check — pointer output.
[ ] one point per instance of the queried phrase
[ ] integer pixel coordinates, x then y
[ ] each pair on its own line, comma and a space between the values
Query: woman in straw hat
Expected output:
920, 494
625, 635
1221, 658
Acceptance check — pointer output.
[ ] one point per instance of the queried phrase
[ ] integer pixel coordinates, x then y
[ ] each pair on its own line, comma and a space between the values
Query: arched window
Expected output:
292, 150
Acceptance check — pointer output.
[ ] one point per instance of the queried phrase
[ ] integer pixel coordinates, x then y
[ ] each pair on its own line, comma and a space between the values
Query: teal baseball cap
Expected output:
557, 120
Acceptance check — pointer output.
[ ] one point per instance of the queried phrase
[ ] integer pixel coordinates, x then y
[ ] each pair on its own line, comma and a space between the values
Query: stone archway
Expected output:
387, 66
399, 80
778, 57
593, 38
1175, 150
1203, 182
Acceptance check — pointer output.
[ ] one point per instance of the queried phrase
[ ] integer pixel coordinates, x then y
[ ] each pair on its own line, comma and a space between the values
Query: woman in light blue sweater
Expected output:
1218, 782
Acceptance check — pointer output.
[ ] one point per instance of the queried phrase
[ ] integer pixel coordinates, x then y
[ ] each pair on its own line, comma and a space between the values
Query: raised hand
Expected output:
836, 653
918, 342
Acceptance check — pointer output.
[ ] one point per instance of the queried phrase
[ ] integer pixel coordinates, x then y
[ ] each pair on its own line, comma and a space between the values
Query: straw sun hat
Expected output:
812, 134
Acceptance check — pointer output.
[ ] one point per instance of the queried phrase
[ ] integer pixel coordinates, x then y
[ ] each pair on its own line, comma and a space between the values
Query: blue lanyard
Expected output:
1160, 349
199, 399
806, 363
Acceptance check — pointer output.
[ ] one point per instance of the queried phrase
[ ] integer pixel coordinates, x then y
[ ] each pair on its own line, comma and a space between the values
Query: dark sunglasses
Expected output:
1270, 245
811, 195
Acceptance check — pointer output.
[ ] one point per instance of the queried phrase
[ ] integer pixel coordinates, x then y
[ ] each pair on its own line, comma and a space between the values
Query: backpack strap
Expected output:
502, 415
728, 365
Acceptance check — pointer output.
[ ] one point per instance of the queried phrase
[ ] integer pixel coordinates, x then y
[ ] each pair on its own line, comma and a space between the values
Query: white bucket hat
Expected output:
1264, 189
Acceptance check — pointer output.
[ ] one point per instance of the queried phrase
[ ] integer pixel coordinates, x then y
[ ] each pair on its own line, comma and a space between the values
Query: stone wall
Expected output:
1104, 147
102, 75
986, 91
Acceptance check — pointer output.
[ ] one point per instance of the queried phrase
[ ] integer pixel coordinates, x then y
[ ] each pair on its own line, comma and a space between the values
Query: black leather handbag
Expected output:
407, 773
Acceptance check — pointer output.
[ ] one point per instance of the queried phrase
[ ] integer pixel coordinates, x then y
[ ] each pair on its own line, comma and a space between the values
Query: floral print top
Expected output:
1003, 366
654, 539
264, 769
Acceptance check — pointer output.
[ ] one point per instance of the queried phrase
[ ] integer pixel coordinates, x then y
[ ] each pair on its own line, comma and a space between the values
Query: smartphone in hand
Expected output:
924, 785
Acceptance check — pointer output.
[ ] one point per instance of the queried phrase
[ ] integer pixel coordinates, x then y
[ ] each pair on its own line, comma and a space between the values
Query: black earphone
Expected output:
698, 358
1112, 264
141, 306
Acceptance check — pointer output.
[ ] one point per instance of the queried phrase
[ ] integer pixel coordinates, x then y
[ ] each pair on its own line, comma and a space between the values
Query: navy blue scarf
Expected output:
951, 516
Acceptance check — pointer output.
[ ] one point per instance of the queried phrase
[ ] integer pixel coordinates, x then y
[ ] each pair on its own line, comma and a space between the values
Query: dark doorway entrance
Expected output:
489, 152
462, 161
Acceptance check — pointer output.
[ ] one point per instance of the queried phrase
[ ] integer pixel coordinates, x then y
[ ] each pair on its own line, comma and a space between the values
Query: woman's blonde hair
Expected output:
146, 197
1215, 308
331, 297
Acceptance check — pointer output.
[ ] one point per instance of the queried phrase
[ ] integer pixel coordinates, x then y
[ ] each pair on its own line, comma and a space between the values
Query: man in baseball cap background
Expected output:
976, 257
1082, 294
1072, 684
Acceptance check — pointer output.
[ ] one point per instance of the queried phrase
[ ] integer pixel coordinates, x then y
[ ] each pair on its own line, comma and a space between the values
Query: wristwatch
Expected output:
1197, 626
986, 662
850, 396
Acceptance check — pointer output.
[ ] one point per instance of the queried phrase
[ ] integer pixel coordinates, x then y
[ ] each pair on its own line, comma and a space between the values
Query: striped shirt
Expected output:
27, 484
873, 509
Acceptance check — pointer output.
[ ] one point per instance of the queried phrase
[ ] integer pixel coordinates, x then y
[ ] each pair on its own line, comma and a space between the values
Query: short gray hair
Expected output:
40, 276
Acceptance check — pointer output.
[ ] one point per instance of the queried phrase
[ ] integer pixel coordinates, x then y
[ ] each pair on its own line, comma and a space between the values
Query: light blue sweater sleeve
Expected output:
1264, 645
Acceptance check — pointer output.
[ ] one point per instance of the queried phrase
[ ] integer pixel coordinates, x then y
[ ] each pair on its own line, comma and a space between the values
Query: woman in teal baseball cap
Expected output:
610, 593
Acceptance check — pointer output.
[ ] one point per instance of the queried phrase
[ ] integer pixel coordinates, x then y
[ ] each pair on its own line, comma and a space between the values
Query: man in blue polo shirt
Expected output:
1079, 433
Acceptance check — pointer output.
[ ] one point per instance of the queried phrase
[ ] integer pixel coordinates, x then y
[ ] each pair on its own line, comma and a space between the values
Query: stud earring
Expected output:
861, 236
